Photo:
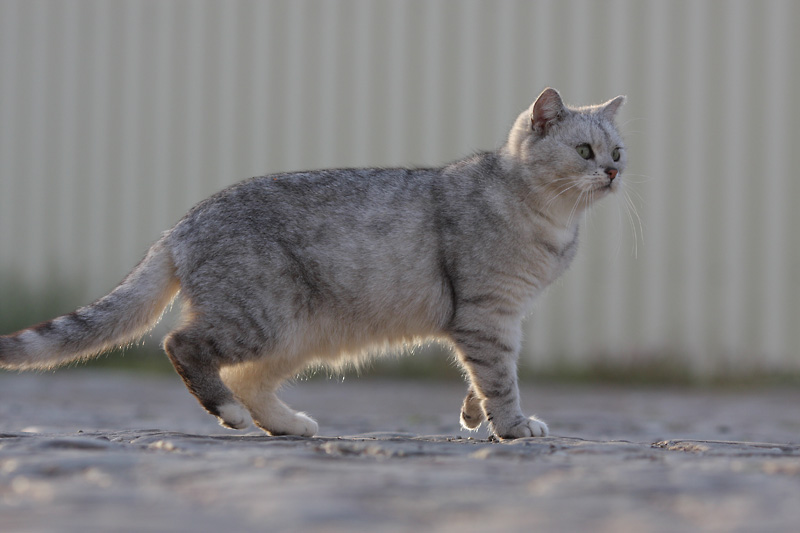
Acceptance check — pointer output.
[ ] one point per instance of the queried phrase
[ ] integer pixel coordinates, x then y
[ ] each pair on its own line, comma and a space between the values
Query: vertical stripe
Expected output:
777, 236
734, 94
659, 103
116, 117
98, 139
697, 191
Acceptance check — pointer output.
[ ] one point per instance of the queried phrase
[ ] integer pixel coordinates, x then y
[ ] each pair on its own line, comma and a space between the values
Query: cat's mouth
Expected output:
604, 187
609, 185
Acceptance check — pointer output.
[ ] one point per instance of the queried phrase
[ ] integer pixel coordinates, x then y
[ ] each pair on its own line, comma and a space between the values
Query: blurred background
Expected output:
116, 117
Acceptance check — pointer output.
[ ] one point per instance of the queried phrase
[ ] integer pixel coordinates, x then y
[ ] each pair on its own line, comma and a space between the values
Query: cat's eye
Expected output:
615, 154
585, 151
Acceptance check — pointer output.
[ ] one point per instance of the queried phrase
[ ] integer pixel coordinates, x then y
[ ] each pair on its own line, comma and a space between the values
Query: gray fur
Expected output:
282, 271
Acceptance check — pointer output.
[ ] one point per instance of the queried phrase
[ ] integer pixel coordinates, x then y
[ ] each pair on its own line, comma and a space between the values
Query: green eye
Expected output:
615, 154
585, 151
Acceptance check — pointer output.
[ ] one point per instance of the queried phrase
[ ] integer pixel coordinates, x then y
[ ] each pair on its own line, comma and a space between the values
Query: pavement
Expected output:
84, 450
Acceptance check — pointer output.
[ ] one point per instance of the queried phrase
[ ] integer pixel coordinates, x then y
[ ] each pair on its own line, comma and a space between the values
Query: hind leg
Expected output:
197, 359
254, 383
276, 418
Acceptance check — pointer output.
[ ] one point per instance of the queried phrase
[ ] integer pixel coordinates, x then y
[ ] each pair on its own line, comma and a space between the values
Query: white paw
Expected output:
234, 416
528, 427
295, 424
304, 425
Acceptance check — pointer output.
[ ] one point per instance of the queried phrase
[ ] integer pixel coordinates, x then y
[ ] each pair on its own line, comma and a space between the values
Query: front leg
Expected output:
490, 359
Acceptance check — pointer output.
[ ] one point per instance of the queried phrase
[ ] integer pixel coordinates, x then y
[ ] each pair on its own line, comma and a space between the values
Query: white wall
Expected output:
116, 117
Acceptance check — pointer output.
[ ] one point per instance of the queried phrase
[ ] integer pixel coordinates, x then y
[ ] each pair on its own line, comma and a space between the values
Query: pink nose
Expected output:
612, 173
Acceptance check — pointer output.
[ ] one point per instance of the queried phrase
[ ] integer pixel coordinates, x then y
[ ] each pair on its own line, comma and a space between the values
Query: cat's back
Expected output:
348, 224
283, 201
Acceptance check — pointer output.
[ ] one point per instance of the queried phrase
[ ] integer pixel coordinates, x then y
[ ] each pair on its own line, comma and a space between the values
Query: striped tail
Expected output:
119, 318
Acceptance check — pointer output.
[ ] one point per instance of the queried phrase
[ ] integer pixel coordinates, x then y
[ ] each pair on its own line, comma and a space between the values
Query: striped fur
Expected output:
289, 270
117, 319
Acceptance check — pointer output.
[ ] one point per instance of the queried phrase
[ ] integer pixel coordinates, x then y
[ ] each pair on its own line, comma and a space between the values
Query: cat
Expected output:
283, 271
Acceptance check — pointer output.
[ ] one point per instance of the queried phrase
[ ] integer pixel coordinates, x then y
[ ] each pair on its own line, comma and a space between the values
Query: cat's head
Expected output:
572, 156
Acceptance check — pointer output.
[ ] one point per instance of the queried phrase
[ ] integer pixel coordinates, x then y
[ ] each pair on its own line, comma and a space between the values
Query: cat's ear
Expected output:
547, 109
610, 108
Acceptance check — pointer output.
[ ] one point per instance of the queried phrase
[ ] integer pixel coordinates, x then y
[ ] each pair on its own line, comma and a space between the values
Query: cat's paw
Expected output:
471, 421
471, 414
304, 426
299, 424
525, 427
233, 416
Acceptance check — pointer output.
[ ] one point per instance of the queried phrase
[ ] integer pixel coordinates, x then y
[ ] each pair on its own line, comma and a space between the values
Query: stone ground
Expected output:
98, 451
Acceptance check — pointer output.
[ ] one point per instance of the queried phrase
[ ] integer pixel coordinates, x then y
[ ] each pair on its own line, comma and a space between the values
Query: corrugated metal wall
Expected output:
116, 117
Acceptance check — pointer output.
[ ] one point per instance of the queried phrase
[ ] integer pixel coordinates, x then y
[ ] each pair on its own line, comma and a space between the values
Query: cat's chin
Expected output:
606, 188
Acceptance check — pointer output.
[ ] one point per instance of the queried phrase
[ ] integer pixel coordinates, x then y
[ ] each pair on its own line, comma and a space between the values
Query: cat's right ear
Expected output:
547, 110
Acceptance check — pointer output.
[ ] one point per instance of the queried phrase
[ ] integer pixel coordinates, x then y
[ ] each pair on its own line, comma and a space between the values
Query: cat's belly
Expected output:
371, 325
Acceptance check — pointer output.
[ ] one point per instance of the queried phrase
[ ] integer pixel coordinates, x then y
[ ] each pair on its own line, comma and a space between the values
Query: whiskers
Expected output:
586, 189
626, 204
584, 200
571, 184
574, 196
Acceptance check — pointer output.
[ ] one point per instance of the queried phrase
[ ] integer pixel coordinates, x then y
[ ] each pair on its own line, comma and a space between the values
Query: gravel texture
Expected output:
99, 451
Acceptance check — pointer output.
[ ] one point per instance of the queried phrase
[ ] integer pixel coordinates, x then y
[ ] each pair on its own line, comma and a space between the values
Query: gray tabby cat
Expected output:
287, 270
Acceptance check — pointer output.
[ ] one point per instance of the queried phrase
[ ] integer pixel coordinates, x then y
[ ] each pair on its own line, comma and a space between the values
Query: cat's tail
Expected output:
117, 319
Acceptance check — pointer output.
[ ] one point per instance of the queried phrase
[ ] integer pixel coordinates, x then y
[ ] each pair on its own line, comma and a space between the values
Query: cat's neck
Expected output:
563, 215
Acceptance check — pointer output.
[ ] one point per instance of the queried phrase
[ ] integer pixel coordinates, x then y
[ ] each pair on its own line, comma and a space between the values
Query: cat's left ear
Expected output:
610, 108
